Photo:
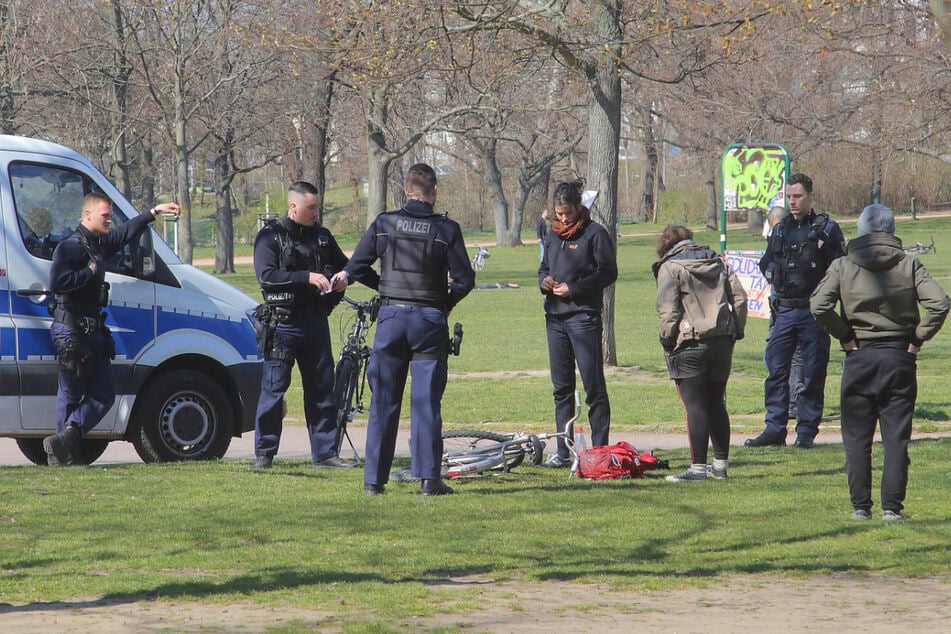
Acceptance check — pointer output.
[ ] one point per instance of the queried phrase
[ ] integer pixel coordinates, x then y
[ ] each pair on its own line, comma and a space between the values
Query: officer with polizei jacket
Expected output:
424, 272
294, 259
800, 250
85, 391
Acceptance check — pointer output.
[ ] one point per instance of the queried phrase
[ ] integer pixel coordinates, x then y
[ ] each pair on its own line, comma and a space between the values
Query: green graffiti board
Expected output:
753, 176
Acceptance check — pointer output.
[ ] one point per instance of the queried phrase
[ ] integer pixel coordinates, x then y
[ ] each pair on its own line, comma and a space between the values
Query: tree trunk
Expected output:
224, 225
317, 162
647, 202
493, 184
183, 183
604, 125
378, 159
712, 212
120, 90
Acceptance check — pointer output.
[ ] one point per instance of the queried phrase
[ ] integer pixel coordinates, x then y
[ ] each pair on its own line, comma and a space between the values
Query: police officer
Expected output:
424, 272
880, 289
294, 259
85, 390
799, 251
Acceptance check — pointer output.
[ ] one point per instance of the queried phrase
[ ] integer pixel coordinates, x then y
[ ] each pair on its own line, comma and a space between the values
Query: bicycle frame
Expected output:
351, 370
478, 461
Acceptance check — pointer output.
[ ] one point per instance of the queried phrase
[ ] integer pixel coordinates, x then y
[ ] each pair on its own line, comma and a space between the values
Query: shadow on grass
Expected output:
248, 585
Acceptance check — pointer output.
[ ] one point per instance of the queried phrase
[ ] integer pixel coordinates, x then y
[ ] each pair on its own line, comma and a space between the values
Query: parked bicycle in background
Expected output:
478, 260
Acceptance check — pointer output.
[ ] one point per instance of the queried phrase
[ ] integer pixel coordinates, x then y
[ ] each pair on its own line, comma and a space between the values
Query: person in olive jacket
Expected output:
702, 309
579, 262
880, 288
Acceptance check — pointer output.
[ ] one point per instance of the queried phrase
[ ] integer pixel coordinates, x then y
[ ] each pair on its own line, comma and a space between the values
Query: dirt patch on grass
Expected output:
842, 602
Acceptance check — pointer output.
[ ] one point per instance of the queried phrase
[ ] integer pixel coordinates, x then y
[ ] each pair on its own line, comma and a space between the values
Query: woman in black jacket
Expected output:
579, 262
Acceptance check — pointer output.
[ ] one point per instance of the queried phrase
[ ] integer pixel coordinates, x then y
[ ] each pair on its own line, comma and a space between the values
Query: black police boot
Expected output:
804, 441
435, 486
767, 439
62, 446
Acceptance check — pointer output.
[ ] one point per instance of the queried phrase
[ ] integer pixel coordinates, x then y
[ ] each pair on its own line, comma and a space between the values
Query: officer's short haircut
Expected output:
776, 214
420, 179
801, 179
302, 188
92, 199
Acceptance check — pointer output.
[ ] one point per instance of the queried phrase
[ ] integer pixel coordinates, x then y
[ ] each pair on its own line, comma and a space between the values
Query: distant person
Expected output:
294, 260
85, 390
879, 288
702, 310
795, 369
541, 230
424, 272
579, 262
798, 253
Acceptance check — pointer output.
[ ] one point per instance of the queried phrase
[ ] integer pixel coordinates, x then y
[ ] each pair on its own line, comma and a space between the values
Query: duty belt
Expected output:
796, 302
407, 303
85, 325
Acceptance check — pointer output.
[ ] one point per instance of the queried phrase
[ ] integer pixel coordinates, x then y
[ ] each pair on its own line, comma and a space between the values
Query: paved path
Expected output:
294, 444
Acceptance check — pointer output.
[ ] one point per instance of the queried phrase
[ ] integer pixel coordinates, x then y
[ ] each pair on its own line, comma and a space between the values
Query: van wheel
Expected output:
181, 415
90, 449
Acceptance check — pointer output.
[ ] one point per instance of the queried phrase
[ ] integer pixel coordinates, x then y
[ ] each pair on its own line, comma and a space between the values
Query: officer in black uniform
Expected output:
799, 251
424, 272
294, 259
85, 391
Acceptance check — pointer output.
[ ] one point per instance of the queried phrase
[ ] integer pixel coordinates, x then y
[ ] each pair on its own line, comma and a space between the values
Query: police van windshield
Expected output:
48, 202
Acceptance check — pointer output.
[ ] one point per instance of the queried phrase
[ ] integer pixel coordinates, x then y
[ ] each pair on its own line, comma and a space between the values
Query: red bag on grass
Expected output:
611, 462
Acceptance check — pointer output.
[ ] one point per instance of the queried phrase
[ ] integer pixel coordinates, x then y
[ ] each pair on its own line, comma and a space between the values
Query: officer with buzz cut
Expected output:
85, 390
294, 259
424, 272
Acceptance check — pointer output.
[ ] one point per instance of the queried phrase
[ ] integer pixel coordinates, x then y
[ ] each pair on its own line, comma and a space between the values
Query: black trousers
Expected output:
879, 383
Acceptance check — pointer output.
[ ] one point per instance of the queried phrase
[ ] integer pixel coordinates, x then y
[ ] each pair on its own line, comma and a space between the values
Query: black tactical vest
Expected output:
295, 255
413, 268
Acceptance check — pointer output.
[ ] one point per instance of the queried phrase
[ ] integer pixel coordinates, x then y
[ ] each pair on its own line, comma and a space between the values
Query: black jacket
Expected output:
275, 277
587, 264
77, 288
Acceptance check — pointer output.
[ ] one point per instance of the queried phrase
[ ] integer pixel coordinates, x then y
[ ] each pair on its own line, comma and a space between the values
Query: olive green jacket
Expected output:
879, 288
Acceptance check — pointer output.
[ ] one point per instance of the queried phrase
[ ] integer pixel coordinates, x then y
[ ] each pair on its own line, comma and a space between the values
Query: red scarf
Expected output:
567, 231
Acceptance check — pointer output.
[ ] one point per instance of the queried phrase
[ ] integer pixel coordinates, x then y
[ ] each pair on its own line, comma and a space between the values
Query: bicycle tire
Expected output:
346, 376
463, 445
478, 263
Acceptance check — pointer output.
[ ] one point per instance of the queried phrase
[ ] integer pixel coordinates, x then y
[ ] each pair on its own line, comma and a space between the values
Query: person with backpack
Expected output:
879, 289
702, 309
799, 251
295, 258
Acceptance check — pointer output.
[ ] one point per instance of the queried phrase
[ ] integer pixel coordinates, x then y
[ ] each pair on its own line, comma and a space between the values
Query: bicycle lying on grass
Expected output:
921, 248
475, 452
351, 371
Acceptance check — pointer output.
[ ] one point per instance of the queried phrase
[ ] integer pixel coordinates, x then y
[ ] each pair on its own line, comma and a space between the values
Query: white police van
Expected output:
187, 371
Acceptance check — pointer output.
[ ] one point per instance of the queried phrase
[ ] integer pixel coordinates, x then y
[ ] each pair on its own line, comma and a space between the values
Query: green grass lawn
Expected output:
293, 536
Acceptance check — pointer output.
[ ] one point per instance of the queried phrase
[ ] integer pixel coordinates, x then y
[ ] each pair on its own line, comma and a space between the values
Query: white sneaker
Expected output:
687, 476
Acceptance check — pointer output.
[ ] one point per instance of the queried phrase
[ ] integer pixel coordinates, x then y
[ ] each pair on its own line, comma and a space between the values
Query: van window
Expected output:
49, 204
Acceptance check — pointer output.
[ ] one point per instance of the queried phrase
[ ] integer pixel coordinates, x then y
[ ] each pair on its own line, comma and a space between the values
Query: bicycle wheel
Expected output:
345, 384
478, 263
471, 445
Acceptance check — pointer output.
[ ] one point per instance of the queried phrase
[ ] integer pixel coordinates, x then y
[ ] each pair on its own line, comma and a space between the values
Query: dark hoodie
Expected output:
880, 288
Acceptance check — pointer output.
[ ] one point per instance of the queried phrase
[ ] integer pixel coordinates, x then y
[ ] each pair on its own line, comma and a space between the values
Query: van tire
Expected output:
181, 415
90, 449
